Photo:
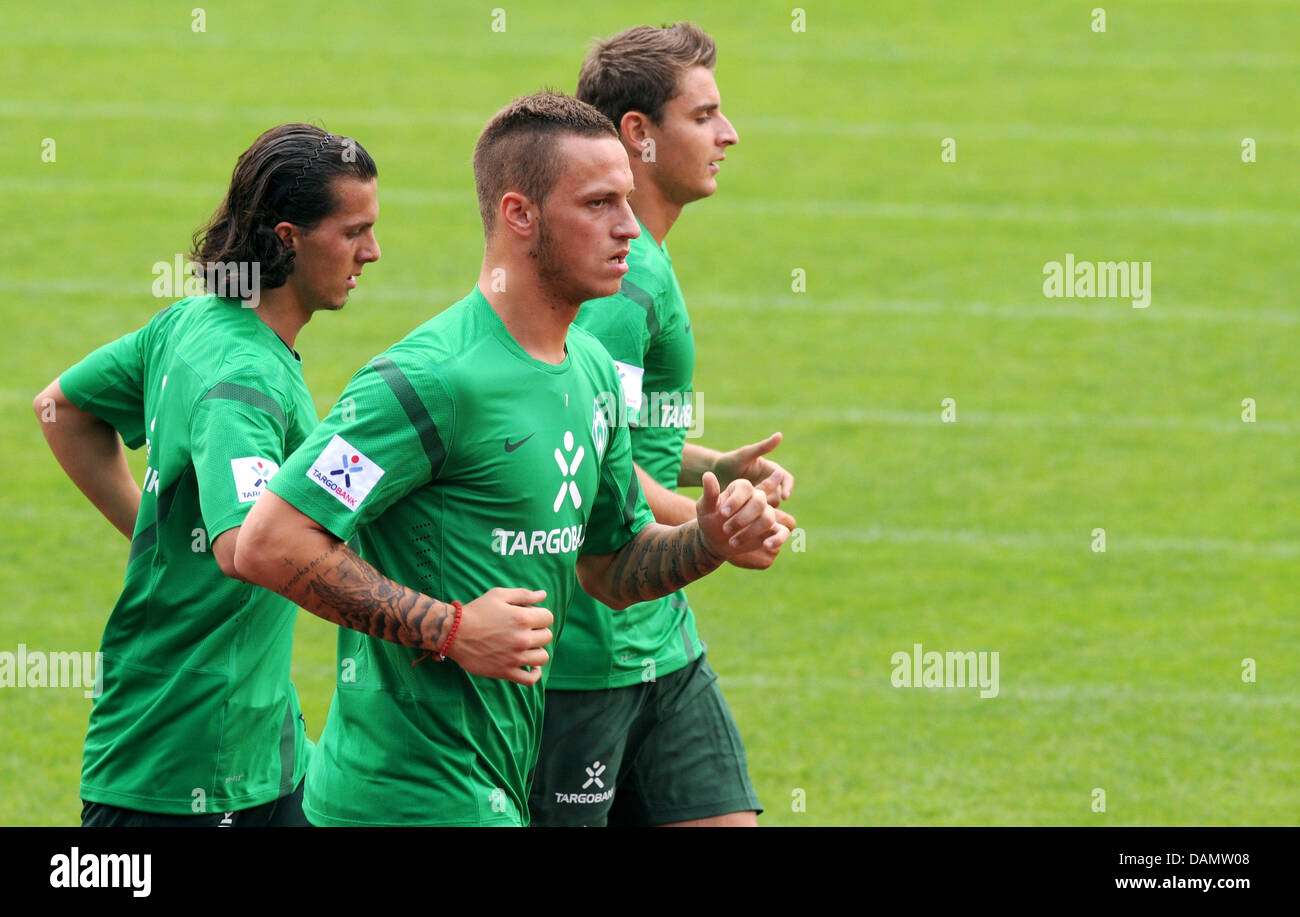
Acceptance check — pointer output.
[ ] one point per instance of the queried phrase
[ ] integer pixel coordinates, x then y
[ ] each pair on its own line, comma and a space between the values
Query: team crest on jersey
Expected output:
252, 474
345, 472
599, 428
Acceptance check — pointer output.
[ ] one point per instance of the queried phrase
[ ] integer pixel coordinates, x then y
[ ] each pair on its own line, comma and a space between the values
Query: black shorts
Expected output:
285, 812
646, 754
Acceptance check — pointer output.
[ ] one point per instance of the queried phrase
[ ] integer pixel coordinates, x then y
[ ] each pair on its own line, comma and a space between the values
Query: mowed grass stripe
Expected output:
775, 44
826, 209
1117, 541
810, 306
865, 417
1008, 691
432, 116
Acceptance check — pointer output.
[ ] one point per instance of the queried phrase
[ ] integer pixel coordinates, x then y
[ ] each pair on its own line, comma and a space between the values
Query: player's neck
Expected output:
283, 313
533, 314
656, 213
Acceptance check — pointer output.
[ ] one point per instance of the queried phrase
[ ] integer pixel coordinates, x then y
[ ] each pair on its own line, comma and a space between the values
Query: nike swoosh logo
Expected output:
511, 447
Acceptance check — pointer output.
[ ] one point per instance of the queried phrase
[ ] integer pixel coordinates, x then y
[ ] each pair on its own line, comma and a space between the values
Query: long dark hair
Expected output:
285, 175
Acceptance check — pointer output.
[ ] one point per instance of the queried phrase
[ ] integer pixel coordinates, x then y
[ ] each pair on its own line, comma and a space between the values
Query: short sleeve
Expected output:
238, 431
384, 439
109, 383
624, 323
620, 510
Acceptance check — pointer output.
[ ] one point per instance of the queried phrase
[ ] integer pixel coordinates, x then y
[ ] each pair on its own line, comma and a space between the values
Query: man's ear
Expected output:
287, 232
633, 128
518, 214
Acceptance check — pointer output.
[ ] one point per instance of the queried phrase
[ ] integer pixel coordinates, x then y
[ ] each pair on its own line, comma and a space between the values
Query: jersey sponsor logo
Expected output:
511, 447
587, 798
567, 487
676, 411
594, 776
565, 540
252, 474
345, 472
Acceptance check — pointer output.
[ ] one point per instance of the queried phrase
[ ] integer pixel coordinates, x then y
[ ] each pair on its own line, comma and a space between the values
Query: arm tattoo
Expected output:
656, 563
341, 587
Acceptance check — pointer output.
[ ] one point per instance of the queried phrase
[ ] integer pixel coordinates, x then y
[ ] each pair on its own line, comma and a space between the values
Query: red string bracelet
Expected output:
455, 625
440, 656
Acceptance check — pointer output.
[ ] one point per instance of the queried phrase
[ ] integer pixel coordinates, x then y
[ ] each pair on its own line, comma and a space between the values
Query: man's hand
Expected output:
738, 520
288, 552
762, 558
661, 559
502, 630
748, 463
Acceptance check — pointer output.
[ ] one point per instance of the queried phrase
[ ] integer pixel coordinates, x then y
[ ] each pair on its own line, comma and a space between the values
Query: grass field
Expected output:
1120, 671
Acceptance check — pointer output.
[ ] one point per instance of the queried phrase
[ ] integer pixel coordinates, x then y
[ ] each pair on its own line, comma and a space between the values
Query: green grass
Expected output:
1119, 671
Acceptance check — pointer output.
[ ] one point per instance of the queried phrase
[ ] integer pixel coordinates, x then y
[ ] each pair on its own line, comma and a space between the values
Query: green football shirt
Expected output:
646, 329
197, 713
459, 463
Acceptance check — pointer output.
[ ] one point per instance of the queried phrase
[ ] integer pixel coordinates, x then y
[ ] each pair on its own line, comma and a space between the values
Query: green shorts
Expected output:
647, 754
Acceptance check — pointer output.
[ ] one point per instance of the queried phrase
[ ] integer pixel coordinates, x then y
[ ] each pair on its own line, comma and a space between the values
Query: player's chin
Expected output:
610, 282
601, 290
704, 189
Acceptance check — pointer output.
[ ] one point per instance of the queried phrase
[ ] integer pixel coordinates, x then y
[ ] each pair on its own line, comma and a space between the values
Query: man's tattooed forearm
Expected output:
656, 563
342, 587
301, 572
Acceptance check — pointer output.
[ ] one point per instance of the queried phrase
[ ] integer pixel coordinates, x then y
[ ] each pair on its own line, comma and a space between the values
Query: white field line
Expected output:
1116, 541
839, 208
757, 48
1009, 691
1004, 213
1090, 310
795, 304
199, 190
1228, 138
862, 417
143, 290
801, 127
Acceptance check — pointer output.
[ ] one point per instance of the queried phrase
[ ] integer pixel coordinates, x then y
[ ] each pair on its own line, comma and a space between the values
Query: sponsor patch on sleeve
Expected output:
345, 472
251, 476
630, 377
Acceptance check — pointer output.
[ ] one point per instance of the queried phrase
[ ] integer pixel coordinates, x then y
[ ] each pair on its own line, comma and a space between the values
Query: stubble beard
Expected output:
553, 287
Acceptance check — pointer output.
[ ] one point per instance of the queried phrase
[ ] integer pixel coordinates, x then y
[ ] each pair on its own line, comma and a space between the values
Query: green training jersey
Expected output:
197, 713
459, 463
647, 331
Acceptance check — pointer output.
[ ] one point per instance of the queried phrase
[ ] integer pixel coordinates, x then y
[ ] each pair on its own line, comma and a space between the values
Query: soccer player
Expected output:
631, 698
198, 723
474, 461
